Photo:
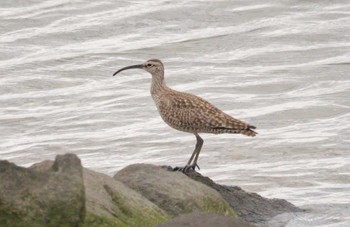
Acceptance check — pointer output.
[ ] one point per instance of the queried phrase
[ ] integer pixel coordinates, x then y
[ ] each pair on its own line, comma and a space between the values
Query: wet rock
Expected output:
111, 203
201, 219
251, 207
63, 193
34, 197
173, 192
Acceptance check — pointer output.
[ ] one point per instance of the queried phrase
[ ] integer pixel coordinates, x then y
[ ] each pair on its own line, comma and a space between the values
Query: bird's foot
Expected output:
186, 168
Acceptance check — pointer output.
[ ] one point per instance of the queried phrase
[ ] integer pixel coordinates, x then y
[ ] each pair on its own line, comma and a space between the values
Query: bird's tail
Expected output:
248, 132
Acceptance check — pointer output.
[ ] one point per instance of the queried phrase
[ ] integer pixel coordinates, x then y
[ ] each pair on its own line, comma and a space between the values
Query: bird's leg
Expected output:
198, 148
194, 156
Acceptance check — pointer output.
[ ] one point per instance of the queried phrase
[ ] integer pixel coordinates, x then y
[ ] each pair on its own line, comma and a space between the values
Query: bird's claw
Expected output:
187, 168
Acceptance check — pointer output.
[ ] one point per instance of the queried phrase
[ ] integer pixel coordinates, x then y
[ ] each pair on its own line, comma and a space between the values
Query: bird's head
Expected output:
153, 66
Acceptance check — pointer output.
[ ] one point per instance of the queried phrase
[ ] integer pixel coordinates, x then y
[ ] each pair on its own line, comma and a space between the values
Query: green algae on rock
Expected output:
32, 197
110, 202
173, 192
63, 193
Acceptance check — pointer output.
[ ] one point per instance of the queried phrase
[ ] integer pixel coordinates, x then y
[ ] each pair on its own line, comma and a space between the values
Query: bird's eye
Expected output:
149, 65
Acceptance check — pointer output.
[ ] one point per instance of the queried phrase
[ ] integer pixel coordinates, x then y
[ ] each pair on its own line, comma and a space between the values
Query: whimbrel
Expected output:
188, 113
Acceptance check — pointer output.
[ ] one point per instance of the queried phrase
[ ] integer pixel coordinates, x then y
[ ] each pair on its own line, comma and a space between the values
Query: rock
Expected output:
63, 193
52, 194
33, 197
173, 192
251, 207
201, 219
110, 203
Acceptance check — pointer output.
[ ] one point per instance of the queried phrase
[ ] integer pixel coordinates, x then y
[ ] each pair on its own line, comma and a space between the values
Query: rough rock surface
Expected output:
174, 192
52, 194
201, 219
251, 207
111, 203
63, 193
30, 197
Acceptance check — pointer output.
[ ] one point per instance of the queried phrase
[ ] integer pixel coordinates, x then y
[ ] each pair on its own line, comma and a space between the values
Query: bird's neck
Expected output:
158, 83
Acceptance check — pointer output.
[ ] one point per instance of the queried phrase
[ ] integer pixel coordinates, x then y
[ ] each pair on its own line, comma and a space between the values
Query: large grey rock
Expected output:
62, 193
52, 194
111, 203
33, 197
174, 192
251, 207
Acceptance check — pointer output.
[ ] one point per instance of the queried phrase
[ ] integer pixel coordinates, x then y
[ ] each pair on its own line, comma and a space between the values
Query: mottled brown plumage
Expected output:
190, 113
187, 112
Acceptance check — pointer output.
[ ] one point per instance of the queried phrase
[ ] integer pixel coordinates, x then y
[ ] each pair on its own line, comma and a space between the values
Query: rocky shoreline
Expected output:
63, 193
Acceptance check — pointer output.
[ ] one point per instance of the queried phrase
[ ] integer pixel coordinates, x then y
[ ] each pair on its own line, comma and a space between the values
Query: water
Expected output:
282, 66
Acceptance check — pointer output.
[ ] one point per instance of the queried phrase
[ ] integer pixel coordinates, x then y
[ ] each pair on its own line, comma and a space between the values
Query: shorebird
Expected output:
188, 113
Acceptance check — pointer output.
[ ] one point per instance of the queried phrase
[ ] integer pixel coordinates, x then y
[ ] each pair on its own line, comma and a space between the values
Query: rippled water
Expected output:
282, 66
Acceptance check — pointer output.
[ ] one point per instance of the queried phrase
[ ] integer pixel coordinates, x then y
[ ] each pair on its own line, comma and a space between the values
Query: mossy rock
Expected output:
32, 197
62, 193
111, 203
173, 192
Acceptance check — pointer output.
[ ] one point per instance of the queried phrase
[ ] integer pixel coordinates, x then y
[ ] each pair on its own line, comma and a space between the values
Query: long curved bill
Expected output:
128, 67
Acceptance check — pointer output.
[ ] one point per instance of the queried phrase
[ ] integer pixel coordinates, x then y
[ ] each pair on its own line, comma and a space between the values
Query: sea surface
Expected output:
283, 66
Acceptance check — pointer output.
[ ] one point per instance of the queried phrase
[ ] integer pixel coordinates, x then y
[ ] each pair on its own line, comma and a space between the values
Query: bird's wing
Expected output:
190, 111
